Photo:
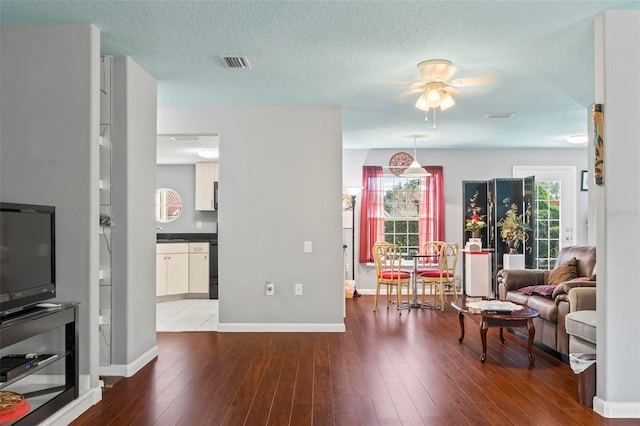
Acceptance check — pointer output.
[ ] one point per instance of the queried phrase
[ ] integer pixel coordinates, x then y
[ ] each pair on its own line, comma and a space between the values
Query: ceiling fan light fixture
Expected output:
446, 101
421, 103
433, 98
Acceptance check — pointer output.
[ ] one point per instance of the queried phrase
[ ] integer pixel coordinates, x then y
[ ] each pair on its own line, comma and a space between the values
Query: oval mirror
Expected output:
168, 205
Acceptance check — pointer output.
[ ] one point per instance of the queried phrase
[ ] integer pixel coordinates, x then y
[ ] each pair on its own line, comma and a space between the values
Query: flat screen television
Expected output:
27, 255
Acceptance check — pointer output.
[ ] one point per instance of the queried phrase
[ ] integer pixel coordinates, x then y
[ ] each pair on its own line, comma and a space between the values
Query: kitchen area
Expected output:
187, 233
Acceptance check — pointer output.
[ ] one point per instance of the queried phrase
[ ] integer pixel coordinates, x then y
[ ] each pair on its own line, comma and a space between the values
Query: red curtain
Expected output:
371, 212
431, 219
431, 211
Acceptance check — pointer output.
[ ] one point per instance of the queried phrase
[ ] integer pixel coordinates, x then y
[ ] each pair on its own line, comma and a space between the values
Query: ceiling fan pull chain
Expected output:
426, 115
434, 118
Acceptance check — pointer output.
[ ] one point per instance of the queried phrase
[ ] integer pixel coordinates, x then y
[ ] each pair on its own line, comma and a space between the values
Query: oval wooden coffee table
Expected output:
485, 319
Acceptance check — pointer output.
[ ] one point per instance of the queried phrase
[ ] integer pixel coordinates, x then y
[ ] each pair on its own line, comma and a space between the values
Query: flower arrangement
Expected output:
476, 223
513, 230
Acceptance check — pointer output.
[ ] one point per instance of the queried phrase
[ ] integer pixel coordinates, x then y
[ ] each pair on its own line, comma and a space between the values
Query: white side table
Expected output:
512, 261
477, 273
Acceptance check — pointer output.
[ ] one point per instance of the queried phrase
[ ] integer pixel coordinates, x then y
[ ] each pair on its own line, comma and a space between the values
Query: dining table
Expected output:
415, 303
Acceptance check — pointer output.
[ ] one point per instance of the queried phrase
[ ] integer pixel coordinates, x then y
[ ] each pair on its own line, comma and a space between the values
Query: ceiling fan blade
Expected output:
473, 81
397, 82
409, 93
452, 91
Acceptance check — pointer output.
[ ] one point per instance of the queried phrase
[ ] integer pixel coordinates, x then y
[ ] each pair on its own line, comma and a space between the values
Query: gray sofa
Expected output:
581, 323
515, 284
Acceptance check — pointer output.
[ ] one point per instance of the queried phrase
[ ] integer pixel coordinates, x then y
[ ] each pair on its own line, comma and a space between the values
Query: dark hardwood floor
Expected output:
385, 369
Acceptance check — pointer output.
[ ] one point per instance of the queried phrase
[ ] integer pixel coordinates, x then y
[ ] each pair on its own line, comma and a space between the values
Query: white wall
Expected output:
617, 214
280, 184
459, 165
49, 133
133, 131
49, 137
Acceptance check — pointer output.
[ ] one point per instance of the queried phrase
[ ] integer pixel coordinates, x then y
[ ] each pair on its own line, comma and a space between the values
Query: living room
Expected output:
62, 172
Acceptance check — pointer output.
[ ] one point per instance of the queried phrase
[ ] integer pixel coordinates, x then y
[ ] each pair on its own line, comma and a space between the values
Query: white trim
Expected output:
132, 368
281, 327
627, 410
64, 416
568, 197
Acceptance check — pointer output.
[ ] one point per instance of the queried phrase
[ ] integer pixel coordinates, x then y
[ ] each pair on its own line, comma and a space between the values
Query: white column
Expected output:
617, 213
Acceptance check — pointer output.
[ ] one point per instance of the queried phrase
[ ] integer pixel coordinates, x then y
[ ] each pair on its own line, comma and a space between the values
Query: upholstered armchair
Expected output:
548, 292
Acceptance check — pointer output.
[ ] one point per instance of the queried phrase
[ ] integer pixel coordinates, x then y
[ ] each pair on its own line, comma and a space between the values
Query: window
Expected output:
555, 210
547, 210
401, 207
404, 211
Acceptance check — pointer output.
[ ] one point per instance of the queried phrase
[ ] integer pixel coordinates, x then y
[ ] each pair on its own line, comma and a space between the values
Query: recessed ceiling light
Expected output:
577, 139
179, 138
500, 115
208, 153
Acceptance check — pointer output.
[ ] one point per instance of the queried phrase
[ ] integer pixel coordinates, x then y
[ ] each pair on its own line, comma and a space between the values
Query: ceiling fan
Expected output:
435, 87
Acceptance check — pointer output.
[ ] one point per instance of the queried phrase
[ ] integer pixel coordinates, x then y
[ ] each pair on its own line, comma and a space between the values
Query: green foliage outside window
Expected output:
548, 223
401, 209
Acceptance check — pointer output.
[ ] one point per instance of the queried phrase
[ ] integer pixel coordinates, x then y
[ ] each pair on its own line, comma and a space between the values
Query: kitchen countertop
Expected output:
185, 238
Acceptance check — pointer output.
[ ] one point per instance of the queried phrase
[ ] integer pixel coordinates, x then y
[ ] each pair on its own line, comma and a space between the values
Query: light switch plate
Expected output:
308, 247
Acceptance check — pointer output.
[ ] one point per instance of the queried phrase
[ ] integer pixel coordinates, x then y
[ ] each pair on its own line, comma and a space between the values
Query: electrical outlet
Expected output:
105, 317
269, 289
199, 224
298, 289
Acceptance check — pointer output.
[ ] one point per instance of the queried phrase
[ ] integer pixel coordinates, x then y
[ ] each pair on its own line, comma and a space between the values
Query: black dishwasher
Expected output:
213, 269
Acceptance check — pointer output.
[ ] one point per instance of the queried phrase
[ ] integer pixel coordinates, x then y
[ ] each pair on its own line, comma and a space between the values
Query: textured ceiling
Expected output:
540, 56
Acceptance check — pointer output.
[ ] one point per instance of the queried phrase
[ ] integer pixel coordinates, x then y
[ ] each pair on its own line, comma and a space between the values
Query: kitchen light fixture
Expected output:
415, 170
208, 153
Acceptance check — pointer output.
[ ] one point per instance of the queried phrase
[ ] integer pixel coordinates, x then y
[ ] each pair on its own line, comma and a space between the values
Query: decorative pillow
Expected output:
542, 290
565, 272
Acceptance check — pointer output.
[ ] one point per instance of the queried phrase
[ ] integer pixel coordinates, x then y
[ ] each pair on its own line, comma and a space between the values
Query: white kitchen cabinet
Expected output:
199, 268
206, 178
172, 269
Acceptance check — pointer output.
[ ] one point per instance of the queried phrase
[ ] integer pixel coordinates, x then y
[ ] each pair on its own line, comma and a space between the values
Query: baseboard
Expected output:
282, 327
626, 410
128, 370
372, 292
86, 399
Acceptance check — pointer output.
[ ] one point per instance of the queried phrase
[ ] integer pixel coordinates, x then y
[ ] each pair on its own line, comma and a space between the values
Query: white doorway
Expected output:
555, 207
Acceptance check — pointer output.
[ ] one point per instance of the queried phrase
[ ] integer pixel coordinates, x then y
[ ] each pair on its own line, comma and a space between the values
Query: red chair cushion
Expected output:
388, 274
433, 273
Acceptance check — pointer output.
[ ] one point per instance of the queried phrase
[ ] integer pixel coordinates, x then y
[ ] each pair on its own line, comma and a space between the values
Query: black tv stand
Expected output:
44, 396
20, 314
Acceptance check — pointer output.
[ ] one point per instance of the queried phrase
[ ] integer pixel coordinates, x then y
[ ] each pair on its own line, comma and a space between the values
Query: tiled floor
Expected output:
187, 315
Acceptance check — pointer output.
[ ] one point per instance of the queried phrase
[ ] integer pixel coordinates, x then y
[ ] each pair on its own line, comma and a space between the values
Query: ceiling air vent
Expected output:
235, 61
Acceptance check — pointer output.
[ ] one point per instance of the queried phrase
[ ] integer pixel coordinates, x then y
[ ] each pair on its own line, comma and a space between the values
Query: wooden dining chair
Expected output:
389, 273
439, 277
